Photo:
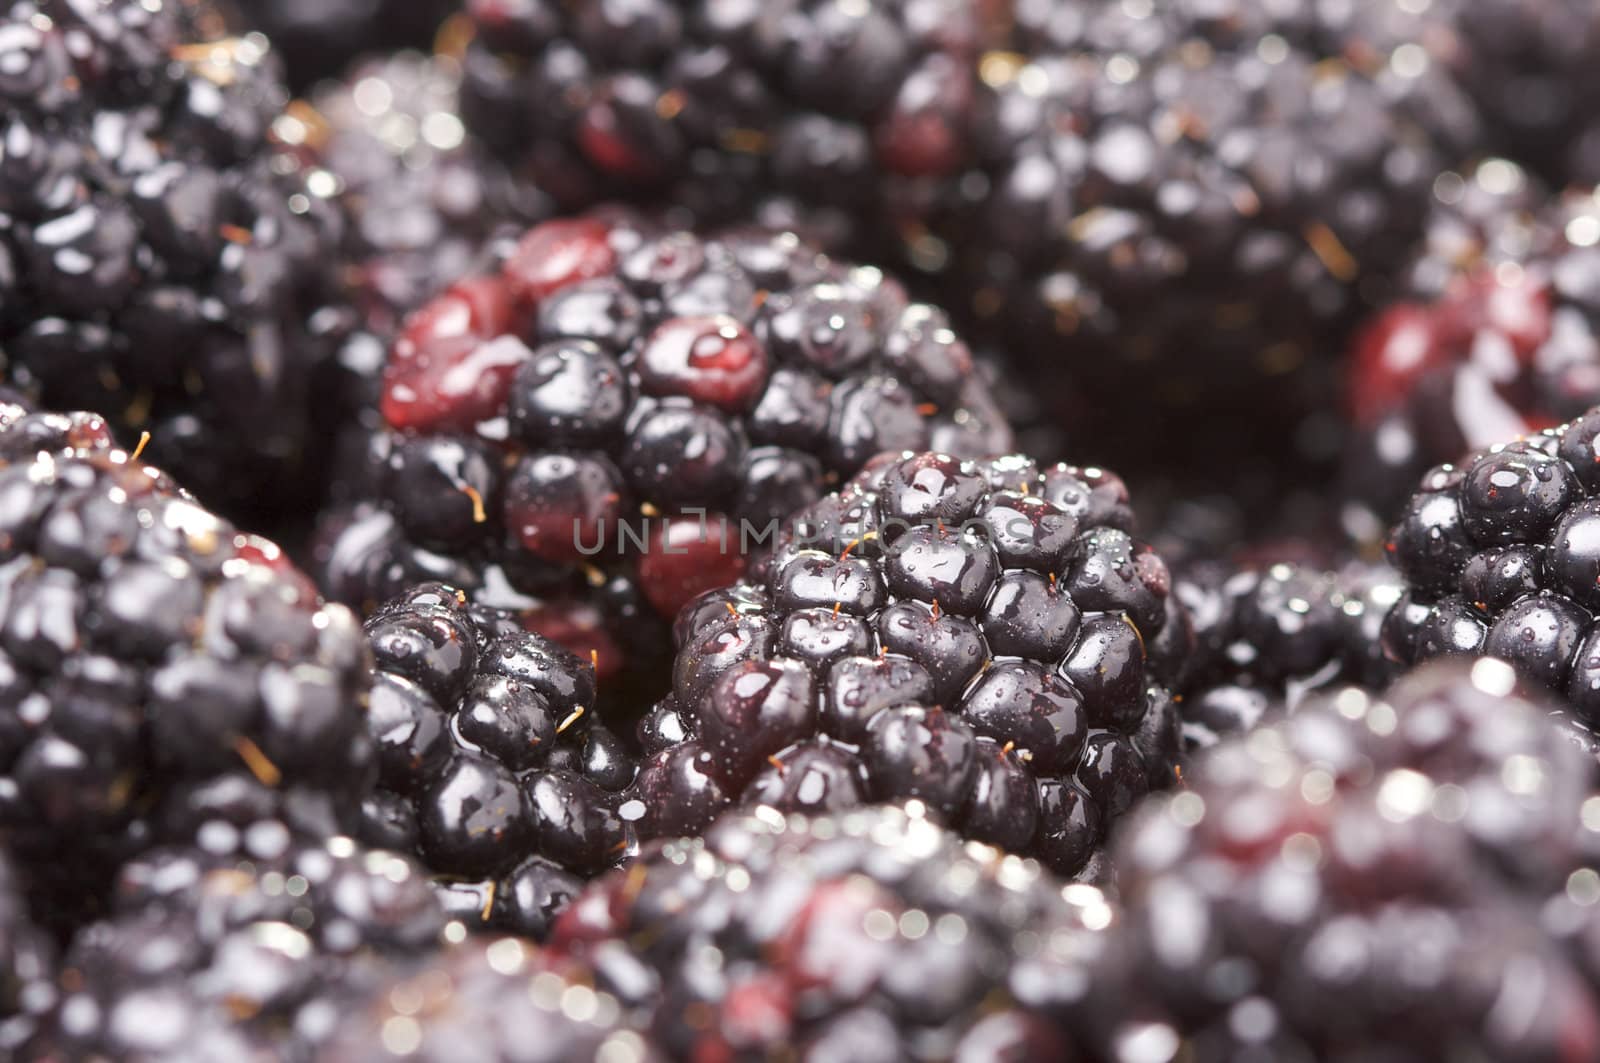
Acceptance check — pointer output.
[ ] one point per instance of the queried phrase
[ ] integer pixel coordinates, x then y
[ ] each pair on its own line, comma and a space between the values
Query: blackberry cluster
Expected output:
867, 935
986, 637
492, 766
720, 105
492, 1000
1183, 201
1267, 637
27, 965
1500, 557
1337, 887
1498, 334
426, 200
606, 418
157, 667
319, 39
240, 948
160, 261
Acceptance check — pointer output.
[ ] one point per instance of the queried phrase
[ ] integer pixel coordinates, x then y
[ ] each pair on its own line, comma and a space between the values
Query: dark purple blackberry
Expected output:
1267, 637
492, 1000
157, 667
159, 260
867, 935
1333, 888
1501, 558
723, 104
27, 965
492, 766
320, 39
244, 947
1498, 333
425, 199
1186, 202
613, 416
986, 637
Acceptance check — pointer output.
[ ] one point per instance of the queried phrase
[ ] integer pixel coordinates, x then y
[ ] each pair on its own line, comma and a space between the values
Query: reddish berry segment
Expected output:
557, 254
714, 360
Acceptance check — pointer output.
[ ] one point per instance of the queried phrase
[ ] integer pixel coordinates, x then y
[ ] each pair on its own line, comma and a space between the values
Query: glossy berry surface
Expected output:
155, 661
160, 261
27, 964
867, 934
611, 418
1267, 637
986, 637
1500, 557
492, 767
1363, 871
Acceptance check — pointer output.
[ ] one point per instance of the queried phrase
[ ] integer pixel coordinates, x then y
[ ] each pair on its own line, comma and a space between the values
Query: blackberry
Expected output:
867, 935
321, 40
1267, 637
159, 260
1498, 560
720, 105
27, 965
603, 420
158, 667
240, 948
1496, 336
491, 765
1184, 201
1330, 888
986, 637
498, 1001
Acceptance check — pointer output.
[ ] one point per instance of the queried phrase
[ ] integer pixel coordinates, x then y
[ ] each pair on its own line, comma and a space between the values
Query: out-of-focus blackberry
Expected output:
425, 199
1498, 334
158, 668
1266, 637
1501, 558
1187, 202
1332, 888
987, 637
27, 965
611, 418
492, 767
1533, 67
719, 105
867, 935
160, 261
490, 1000
244, 947
320, 38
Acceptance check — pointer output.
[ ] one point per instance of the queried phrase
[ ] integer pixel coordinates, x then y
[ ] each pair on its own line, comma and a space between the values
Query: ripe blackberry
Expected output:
321, 40
426, 200
1496, 337
985, 636
498, 1001
1499, 560
1267, 637
719, 105
492, 768
27, 965
1185, 201
240, 948
867, 935
593, 422
159, 259
156, 665
1330, 888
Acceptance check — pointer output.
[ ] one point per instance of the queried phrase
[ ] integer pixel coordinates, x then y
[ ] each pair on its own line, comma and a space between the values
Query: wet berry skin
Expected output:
1501, 558
984, 637
617, 416
494, 771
